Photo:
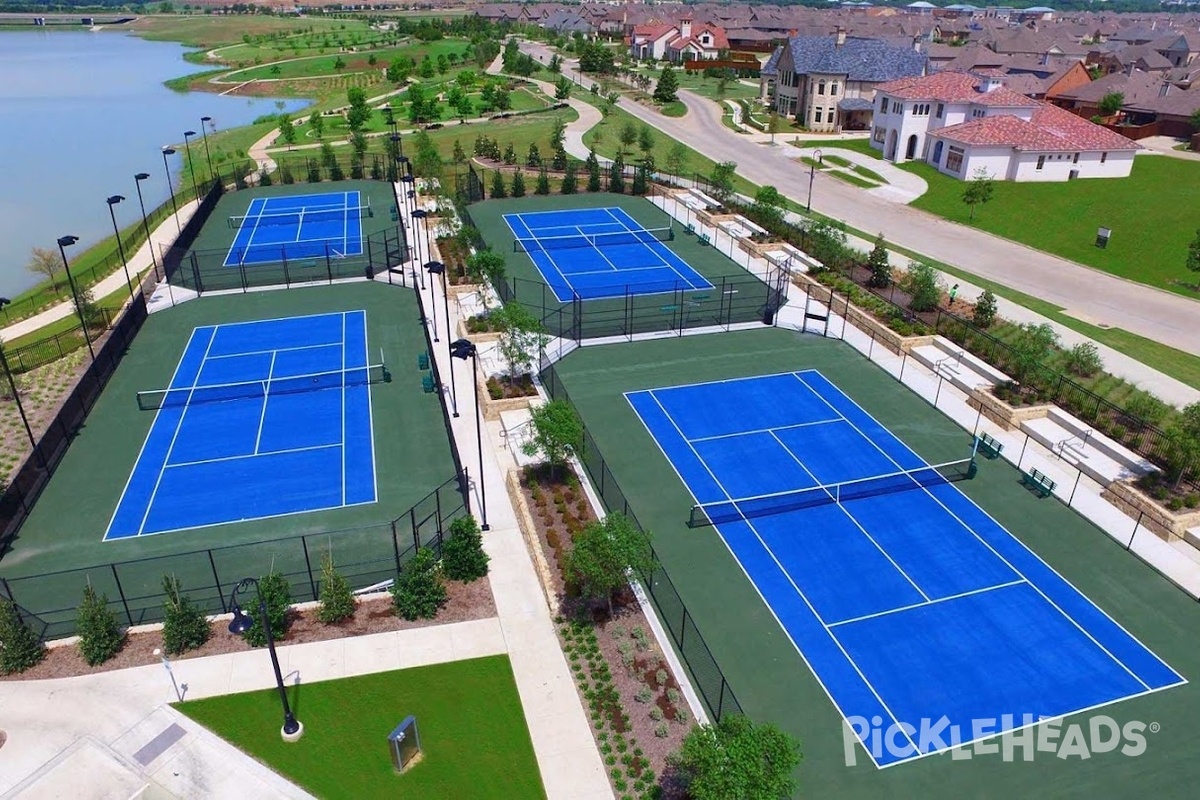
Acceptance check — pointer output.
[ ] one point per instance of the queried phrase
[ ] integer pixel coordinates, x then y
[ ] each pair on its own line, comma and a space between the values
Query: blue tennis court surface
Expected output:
277, 229
260, 419
908, 606
600, 252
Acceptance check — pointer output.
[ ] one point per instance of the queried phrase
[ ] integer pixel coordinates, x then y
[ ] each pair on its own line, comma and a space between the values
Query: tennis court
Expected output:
261, 419
597, 253
293, 227
906, 600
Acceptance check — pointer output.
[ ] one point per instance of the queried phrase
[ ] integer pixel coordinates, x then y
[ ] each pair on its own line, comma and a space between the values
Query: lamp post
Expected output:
464, 349
188, 147
409, 193
112, 204
170, 151
242, 622
207, 154
435, 267
438, 268
137, 181
63, 243
812, 172
12, 385
418, 217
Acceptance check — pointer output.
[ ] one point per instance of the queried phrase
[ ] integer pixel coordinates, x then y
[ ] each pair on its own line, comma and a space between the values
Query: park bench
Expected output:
1039, 482
423, 361
690, 229
989, 446
705, 239
427, 383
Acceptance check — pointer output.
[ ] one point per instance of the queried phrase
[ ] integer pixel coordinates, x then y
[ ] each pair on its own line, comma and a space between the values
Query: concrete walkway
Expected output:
1087, 293
1165, 145
902, 186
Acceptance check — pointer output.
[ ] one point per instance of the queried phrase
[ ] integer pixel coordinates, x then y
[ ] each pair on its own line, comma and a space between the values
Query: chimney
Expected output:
1164, 89
685, 27
917, 43
1129, 68
840, 36
990, 83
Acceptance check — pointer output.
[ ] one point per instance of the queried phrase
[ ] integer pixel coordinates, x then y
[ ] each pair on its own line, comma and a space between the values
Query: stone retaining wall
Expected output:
1164, 523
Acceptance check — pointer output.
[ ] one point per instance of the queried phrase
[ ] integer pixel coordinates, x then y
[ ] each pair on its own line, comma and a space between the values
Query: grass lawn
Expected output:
212, 30
851, 179
473, 735
707, 87
1153, 215
857, 145
675, 108
325, 64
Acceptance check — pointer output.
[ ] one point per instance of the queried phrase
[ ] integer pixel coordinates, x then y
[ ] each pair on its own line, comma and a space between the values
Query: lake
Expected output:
80, 114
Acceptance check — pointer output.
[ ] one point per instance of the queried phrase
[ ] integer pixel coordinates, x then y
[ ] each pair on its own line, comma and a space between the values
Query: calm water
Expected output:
80, 114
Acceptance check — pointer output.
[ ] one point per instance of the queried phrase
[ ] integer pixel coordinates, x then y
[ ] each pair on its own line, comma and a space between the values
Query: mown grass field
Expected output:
313, 66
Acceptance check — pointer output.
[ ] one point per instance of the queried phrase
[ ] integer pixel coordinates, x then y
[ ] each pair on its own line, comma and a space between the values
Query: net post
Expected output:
287, 278
217, 582
242, 271
312, 584
328, 264
121, 593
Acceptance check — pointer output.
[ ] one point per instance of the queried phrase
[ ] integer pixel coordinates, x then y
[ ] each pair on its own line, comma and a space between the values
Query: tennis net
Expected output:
297, 218
155, 399
722, 511
537, 245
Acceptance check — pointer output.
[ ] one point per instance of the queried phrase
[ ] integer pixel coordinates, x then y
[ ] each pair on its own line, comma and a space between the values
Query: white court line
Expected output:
240, 323
932, 602
850, 516
536, 265
343, 398
249, 242
240, 521
595, 247
370, 410
764, 430
175, 436
266, 399
269, 352
667, 262
989, 546
244, 456
622, 271
789, 578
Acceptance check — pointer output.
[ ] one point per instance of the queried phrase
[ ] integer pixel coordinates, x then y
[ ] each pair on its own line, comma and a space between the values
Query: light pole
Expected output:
438, 268
242, 622
188, 147
464, 349
112, 204
12, 385
170, 151
418, 217
434, 267
137, 180
207, 154
812, 172
409, 193
63, 243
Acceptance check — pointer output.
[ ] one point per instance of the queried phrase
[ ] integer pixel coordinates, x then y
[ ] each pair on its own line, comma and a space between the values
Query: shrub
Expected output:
184, 624
418, 592
1146, 407
661, 730
643, 694
921, 283
984, 313
337, 600
100, 636
463, 558
1084, 359
19, 645
877, 262
661, 677
656, 713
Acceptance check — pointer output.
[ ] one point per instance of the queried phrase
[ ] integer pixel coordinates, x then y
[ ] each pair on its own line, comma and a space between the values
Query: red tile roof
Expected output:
1050, 129
954, 87
719, 40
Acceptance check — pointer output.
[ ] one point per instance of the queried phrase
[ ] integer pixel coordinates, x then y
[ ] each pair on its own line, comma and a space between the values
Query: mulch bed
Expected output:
467, 601
505, 388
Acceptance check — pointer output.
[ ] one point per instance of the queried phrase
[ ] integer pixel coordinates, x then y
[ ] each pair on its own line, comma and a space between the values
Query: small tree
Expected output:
593, 169
1111, 103
877, 262
1084, 360
100, 636
1183, 444
667, 88
1194, 120
276, 592
562, 89
534, 158
604, 555
184, 624
738, 758
721, 181
418, 591
463, 558
979, 190
557, 433
337, 599
459, 156
768, 206
19, 645
628, 136
645, 141
287, 131
510, 154
46, 262
922, 285
486, 266
984, 313
316, 124
518, 184
522, 336
1032, 348
616, 175
1193, 257
543, 182
499, 191
677, 159
570, 182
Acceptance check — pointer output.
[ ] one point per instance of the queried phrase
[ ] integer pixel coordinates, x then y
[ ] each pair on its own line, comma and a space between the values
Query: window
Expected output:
821, 87
978, 112
833, 88
921, 110
954, 159
940, 110
883, 106
817, 115
1103, 157
1041, 162
878, 135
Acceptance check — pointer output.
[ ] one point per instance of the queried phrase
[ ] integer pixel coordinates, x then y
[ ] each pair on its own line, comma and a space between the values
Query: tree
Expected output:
100, 636
359, 143
1193, 256
522, 336
459, 156
922, 285
570, 181
418, 591
1111, 103
275, 591
486, 265
499, 190
464, 107
184, 625
768, 206
487, 97
593, 170
316, 124
604, 555
667, 88
337, 599
595, 57
427, 161
984, 313
510, 154
555, 64
543, 182
19, 645
426, 69
556, 433
562, 88
534, 157
721, 181
645, 140
339, 63
738, 758
511, 53
518, 184
677, 159
877, 262
463, 558
503, 98
616, 175
558, 138
398, 70
978, 190
287, 131
1183, 444
1031, 348
628, 135
47, 262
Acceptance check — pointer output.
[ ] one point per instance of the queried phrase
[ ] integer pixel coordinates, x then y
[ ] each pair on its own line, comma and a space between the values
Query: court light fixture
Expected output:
188, 147
464, 349
63, 243
435, 268
418, 217
207, 154
292, 729
170, 151
137, 181
12, 386
112, 205
438, 268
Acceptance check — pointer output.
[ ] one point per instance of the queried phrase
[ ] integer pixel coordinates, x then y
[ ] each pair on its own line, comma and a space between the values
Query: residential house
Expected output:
1133, 85
678, 43
1181, 49
962, 124
827, 82
1172, 109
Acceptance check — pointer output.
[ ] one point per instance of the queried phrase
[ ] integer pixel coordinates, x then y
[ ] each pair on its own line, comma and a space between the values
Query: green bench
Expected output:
989, 446
1038, 482
427, 383
705, 239
423, 361
690, 229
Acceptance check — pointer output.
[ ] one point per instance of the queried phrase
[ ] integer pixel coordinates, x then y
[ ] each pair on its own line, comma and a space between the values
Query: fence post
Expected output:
1025, 444
328, 264
217, 582
683, 622
121, 592
721, 698
312, 584
1129, 544
396, 548
7, 591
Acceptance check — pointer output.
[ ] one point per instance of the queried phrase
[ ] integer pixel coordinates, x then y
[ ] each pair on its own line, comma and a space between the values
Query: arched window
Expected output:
821, 87
833, 88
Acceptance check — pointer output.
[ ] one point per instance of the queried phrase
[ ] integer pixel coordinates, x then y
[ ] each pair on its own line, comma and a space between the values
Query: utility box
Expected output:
405, 744
1102, 237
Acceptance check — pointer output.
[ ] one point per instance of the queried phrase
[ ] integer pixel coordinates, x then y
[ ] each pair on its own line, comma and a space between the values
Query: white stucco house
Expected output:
962, 123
